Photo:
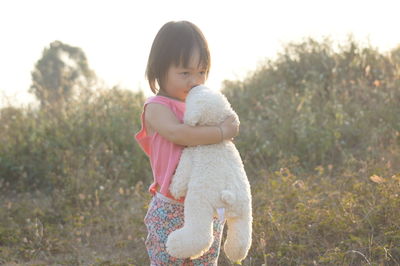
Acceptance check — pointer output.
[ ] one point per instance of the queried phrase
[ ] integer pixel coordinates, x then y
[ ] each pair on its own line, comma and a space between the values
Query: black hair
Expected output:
174, 44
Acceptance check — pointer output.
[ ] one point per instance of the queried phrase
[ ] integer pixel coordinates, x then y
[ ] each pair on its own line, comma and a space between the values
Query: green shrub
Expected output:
320, 105
91, 140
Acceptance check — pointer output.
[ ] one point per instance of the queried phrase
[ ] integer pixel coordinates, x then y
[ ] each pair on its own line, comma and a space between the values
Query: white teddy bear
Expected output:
211, 177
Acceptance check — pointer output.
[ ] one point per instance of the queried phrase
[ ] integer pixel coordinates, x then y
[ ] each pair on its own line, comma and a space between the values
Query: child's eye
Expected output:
185, 73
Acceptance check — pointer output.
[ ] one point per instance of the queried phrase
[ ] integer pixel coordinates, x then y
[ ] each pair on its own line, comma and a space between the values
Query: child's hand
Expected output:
230, 127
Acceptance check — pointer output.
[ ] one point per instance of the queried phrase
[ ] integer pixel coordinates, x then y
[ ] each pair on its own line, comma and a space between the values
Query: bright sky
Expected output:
116, 35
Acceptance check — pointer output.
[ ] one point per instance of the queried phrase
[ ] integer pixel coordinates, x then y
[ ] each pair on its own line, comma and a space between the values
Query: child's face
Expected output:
179, 80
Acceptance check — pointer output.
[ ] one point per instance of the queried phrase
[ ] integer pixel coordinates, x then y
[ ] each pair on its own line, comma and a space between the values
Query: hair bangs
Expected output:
188, 48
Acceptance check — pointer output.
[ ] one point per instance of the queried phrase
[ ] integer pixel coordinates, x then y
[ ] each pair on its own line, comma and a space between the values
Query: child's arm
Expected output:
159, 118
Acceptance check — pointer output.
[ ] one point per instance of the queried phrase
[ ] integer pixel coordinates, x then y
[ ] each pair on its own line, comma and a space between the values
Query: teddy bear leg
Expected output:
238, 240
196, 236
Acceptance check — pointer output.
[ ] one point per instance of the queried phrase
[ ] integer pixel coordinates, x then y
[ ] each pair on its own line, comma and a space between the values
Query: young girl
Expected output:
179, 60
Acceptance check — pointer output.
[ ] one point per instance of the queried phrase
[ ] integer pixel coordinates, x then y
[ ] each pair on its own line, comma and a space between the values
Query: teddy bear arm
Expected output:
181, 178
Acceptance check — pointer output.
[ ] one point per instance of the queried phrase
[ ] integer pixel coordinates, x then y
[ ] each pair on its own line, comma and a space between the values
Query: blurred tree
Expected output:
59, 73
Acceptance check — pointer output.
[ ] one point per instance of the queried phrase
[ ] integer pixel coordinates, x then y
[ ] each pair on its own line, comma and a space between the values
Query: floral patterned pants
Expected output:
164, 216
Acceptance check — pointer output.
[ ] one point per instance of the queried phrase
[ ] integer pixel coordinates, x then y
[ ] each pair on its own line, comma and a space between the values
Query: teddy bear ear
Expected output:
194, 107
192, 117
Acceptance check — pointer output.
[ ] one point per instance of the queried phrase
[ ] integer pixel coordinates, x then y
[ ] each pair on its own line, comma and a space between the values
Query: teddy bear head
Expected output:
206, 107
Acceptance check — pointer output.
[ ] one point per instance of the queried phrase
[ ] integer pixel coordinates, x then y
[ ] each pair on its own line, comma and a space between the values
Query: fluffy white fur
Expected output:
211, 177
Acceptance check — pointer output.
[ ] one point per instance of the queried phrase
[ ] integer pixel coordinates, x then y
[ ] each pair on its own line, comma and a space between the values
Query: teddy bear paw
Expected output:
181, 245
235, 251
173, 246
177, 191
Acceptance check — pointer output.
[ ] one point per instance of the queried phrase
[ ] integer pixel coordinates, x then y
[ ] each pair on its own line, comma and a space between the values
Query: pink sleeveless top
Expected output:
164, 155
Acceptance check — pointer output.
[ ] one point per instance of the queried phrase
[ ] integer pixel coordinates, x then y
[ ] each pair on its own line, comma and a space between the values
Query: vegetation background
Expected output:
320, 141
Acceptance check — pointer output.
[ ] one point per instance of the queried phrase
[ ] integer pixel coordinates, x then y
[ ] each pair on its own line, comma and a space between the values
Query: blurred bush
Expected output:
319, 104
89, 141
